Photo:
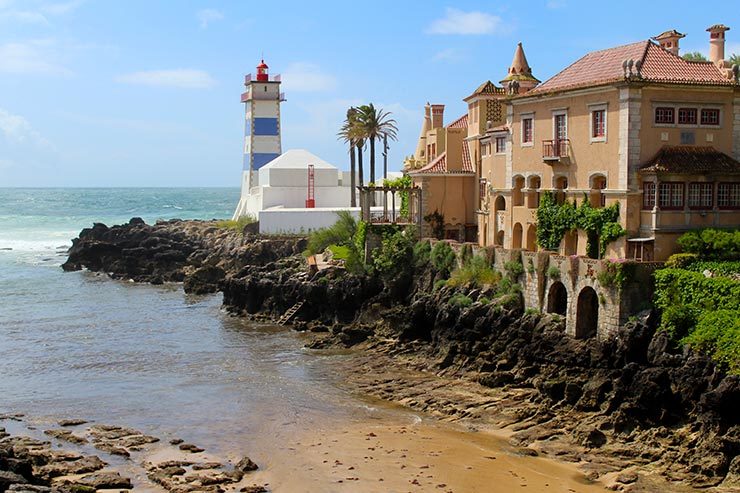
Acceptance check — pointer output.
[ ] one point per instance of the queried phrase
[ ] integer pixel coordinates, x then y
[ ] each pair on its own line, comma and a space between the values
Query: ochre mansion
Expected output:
636, 125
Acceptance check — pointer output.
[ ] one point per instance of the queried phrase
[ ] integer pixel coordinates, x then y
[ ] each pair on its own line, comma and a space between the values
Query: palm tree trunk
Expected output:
352, 166
385, 157
360, 173
372, 160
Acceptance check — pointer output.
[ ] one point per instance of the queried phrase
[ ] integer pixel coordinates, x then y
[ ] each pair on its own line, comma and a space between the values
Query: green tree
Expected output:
350, 133
734, 59
694, 56
376, 125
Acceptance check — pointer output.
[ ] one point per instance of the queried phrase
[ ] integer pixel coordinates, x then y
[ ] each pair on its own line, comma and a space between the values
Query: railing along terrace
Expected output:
555, 149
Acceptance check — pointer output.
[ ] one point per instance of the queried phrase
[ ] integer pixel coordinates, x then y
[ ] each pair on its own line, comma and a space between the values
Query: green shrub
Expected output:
439, 284
460, 300
484, 300
341, 232
681, 260
238, 224
514, 269
532, 311
436, 221
466, 253
394, 257
504, 286
443, 258
727, 268
683, 287
339, 252
553, 272
476, 271
530, 266
712, 243
422, 254
717, 333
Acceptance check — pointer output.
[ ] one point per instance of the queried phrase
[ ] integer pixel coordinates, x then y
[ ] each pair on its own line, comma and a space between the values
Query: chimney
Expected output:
669, 40
717, 42
438, 112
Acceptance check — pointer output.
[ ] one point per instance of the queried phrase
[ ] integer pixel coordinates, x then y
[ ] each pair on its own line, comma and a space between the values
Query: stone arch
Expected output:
557, 299
531, 242
517, 195
597, 184
534, 183
499, 211
587, 313
560, 185
516, 237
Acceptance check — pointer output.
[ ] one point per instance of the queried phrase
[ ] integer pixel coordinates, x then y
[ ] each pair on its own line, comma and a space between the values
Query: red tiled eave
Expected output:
658, 65
691, 160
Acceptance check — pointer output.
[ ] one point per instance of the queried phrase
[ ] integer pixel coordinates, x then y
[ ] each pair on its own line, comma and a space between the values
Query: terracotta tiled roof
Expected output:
439, 165
487, 87
467, 163
461, 122
658, 65
691, 160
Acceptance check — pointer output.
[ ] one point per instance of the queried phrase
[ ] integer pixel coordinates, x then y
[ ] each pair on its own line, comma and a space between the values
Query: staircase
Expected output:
290, 313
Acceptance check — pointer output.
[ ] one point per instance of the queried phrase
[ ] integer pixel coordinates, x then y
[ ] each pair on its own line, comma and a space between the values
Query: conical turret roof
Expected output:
519, 69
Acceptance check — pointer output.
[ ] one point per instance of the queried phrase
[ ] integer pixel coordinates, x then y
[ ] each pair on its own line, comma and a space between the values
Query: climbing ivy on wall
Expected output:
554, 220
401, 182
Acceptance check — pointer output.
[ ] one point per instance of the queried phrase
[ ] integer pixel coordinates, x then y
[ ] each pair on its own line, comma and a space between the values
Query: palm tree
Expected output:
349, 133
734, 59
376, 124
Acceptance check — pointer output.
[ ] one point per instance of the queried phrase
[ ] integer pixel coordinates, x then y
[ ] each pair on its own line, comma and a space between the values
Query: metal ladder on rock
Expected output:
290, 313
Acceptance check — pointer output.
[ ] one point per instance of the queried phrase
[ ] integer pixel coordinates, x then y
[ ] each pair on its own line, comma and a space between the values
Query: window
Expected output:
687, 116
648, 195
598, 124
709, 116
482, 185
671, 195
688, 138
500, 145
484, 149
700, 195
560, 126
527, 130
728, 195
664, 115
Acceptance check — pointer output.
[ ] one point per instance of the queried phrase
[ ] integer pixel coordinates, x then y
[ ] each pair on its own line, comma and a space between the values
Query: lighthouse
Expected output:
261, 100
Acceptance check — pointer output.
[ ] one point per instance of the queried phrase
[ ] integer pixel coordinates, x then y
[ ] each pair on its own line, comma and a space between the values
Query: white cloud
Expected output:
16, 129
31, 57
307, 77
458, 22
179, 78
206, 16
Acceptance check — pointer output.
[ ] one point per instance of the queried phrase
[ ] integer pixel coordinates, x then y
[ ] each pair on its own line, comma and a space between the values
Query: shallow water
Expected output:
80, 345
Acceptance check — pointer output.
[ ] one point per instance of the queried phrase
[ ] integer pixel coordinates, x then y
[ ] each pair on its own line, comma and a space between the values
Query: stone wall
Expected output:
548, 277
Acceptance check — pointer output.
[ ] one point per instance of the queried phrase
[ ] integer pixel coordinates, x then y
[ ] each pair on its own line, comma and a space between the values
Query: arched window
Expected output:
517, 195
596, 194
533, 195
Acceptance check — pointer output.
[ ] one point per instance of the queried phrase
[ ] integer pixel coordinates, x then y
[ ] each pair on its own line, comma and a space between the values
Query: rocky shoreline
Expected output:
64, 461
630, 410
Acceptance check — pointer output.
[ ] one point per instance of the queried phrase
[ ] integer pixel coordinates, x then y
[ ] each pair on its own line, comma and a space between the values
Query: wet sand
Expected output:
423, 457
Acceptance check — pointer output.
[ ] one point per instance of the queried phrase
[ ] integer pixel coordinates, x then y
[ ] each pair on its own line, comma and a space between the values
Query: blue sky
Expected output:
146, 93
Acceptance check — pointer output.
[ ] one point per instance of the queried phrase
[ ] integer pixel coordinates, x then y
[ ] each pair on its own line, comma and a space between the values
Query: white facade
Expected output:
300, 220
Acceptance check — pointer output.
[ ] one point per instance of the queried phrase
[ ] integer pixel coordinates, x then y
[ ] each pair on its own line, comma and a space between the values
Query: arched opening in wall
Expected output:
533, 195
570, 243
517, 194
587, 313
560, 183
531, 244
596, 194
516, 238
500, 238
499, 218
557, 299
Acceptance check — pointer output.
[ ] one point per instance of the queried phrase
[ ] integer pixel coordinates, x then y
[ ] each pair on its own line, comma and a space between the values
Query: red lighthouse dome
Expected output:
262, 74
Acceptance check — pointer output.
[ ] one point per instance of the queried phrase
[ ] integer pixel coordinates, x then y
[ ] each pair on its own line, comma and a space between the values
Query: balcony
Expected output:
555, 150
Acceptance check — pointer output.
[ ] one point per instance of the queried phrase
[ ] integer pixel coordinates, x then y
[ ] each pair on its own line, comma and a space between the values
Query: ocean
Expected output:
79, 344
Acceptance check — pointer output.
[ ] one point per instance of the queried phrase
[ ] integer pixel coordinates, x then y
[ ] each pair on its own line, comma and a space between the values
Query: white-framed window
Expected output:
665, 115
500, 145
559, 125
686, 115
598, 123
527, 129
710, 116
